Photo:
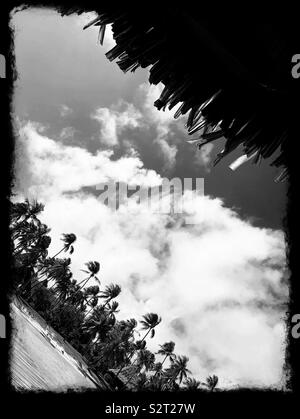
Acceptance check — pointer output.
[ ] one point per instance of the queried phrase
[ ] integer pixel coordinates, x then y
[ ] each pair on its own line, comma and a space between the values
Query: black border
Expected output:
228, 402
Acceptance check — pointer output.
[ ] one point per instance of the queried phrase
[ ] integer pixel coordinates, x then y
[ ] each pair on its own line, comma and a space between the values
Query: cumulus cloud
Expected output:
114, 120
65, 111
162, 120
218, 284
203, 156
53, 168
67, 132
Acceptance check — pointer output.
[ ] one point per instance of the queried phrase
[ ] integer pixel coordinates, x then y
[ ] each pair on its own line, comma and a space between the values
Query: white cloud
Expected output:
67, 132
218, 284
123, 115
203, 156
65, 111
163, 122
109, 41
114, 120
53, 168
169, 152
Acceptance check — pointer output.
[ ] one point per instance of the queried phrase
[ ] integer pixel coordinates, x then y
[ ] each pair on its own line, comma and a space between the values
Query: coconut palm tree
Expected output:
93, 269
98, 326
68, 239
140, 344
111, 291
141, 382
92, 294
211, 382
149, 322
158, 367
30, 235
35, 247
22, 211
119, 343
231, 94
113, 308
167, 350
177, 371
63, 285
59, 271
19, 210
92, 302
145, 359
191, 384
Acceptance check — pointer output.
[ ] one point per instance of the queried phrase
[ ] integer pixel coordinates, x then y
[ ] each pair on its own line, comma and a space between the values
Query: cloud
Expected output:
65, 111
109, 41
114, 120
67, 132
163, 122
218, 284
203, 156
169, 152
53, 168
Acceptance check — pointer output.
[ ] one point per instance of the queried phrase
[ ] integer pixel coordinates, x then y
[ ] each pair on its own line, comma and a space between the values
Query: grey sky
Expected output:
59, 64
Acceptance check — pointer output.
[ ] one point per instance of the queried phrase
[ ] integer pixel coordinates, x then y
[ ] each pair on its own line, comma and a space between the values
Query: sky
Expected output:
219, 284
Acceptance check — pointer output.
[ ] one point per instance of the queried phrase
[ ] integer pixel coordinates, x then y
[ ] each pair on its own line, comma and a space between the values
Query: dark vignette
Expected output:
252, 399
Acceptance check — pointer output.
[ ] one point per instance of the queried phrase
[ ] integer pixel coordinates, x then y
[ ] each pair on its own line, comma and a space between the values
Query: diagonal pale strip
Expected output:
92, 22
241, 160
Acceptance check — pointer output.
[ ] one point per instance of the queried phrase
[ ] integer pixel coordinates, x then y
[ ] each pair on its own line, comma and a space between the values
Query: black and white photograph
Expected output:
148, 226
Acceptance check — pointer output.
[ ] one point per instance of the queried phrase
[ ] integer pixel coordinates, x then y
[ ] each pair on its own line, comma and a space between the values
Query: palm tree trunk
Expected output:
161, 364
58, 253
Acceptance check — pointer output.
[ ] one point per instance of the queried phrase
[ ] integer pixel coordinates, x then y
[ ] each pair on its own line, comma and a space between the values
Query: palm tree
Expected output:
59, 272
149, 322
19, 210
111, 291
230, 95
145, 359
91, 294
33, 242
68, 239
114, 351
157, 367
29, 235
211, 382
191, 384
177, 371
141, 382
140, 344
113, 308
93, 269
25, 210
98, 326
167, 350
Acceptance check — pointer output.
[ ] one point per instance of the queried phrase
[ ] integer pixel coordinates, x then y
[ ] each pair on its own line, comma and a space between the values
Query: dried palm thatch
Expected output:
232, 75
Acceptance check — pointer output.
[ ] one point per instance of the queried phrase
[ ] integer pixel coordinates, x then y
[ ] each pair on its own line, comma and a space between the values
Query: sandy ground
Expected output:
39, 360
